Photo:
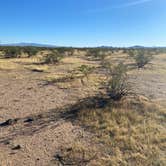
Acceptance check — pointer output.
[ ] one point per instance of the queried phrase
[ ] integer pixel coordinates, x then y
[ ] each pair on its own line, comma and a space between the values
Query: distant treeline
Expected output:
17, 51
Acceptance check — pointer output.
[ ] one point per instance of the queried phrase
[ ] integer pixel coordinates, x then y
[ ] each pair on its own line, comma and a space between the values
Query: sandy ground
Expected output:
38, 128
151, 82
24, 95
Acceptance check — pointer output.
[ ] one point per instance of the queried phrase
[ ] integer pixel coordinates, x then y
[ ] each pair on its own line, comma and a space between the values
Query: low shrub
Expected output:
96, 53
142, 59
85, 71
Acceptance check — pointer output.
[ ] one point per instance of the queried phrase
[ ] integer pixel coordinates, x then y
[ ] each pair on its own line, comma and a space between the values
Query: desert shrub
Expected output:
117, 85
142, 59
16, 51
85, 71
65, 50
96, 53
31, 51
92, 52
124, 51
131, 52
52, 58
11, 52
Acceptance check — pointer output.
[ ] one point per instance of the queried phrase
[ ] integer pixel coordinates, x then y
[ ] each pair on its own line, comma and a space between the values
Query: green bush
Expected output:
52, 58
16, 51
85, 70
142, 59
131, 52
11, 52
117, 84
96, 53
31, 51
64, 50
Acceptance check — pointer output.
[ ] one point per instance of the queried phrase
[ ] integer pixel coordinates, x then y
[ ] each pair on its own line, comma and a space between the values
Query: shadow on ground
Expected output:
33, 124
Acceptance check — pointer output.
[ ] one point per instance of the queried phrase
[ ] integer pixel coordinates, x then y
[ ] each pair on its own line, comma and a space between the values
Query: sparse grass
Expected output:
76, 154
81, 72
59, 79
7, 64
130, 130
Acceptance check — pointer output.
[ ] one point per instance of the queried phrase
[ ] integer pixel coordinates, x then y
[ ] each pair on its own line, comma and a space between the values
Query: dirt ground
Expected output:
23, 94
38, 130
151, 82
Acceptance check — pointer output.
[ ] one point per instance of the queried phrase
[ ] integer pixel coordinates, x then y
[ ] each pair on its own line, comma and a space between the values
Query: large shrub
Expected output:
117, 84
11, 52
31, 51
52, 58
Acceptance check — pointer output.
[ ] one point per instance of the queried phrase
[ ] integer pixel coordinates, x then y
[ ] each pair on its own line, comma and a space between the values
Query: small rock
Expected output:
6, 142
9, 122
16, 147
28, 120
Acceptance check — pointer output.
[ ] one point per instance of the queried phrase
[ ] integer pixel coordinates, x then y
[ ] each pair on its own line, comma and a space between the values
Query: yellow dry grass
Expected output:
8, 64
131, 130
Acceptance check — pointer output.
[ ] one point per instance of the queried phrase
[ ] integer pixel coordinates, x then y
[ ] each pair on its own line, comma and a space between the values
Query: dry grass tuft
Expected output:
76, 154
130, 130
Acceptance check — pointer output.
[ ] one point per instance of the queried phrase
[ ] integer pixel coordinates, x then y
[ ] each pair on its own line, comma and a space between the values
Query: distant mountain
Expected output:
28, 44
137, 46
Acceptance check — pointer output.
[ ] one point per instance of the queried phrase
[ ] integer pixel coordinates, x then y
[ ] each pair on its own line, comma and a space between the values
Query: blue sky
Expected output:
84, 22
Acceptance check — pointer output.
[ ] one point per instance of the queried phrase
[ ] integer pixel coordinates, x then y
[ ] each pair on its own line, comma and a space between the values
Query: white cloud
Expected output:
134, 3
130, 4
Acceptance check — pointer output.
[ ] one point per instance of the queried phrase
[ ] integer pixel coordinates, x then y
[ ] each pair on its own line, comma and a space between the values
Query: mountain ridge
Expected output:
23, 44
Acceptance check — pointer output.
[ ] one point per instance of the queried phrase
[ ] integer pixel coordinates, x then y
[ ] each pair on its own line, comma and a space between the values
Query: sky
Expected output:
83, 23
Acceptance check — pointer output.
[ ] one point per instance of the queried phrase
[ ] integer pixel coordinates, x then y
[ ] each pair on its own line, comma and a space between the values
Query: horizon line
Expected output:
53, 45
